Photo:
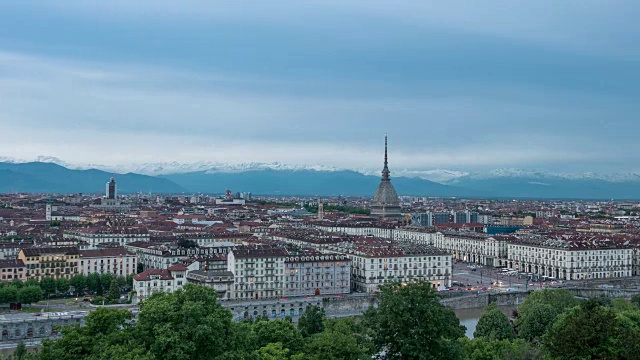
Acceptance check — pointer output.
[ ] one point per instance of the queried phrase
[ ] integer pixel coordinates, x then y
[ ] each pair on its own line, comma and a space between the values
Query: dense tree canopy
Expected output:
312, 321
494, 325
584, 332
410, 323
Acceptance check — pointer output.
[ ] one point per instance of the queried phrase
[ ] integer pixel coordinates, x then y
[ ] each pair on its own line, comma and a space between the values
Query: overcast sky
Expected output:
466, 85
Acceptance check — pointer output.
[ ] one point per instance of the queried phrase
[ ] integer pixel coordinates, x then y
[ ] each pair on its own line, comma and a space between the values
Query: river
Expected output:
469, 317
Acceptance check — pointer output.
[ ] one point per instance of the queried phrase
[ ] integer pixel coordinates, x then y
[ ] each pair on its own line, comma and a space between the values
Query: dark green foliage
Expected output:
312, 321
485, 349
282, 331
105, 282
410, 319
114, 290
18, 284
62, 285
342, 339
540, 310
8, 294
93, 283
166, 320
29, 295
535, 322
560, 299
584, 332
341, 208
48, 285
21, 351
494, 325
409, 323
103, 329
79, 284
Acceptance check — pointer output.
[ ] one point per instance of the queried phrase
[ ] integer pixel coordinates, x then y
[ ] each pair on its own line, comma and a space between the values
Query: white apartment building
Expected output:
473, 247
119, 235
258, 272
312, 273
166, 280
118, 262
357, 229
308, 238
376, 261
570, 260
162, 256
417, 236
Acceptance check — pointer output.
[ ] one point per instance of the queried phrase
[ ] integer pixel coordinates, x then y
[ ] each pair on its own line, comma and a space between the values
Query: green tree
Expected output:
21, 351
17, 283
560, 299
114, 290
584, 332
79, 284
534, 323
93, 283
342, 339
62, 285
29, 295
411, 323
8, 294
493, 324
30, 282
282, 331
122, 281
166, 320
103, 331
312, 321
273, 351
629, 333
105, 281
139, 268
48, 285
129, 281
485, 349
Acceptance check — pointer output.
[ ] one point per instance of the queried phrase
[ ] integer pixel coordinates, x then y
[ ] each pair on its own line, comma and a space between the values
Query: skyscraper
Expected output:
386, 204
111, 189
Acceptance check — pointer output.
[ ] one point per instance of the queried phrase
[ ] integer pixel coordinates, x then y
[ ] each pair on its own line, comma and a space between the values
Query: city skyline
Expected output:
463, 86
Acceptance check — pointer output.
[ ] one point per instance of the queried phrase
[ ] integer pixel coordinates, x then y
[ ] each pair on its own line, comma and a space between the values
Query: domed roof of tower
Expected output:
386, 194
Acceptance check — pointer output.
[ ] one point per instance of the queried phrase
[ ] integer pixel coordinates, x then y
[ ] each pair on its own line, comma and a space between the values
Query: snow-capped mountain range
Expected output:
443, 176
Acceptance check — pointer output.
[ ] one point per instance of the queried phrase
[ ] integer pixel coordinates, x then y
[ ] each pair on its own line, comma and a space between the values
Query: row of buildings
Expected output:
559, 255
66, 262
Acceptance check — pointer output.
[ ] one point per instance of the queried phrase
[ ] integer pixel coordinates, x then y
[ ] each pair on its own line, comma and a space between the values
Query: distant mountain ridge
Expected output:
282, 179
42, 177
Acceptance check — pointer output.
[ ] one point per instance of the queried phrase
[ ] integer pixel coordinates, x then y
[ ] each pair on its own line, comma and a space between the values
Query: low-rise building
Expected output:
99, 235
220, 281
118, 262
161, 256
154, 280
56, 262
315, 273
11, 270
376, 261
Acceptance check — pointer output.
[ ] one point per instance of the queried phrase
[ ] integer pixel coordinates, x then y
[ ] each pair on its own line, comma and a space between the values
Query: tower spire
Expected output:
385, 170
